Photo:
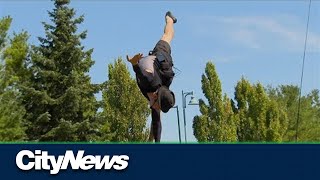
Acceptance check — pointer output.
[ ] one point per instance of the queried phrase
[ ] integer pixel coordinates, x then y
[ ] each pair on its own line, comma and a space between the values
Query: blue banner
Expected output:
160, 161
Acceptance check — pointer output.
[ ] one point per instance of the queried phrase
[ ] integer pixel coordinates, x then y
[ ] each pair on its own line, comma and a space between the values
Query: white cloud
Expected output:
281, 32
246, 37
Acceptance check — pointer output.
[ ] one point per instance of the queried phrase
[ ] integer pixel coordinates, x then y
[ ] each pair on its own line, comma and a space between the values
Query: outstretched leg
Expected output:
168, 28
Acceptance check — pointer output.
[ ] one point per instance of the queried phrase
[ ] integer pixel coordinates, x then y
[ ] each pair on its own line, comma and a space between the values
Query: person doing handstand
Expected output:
154, 76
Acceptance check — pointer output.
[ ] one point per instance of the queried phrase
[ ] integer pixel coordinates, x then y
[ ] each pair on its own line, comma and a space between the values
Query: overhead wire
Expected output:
302, 72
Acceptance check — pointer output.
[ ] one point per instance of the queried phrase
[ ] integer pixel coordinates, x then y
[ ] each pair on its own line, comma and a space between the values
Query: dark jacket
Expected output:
144, 84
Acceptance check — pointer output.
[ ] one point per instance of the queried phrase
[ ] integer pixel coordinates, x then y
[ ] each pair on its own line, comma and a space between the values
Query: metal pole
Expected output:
178, 123
184, 116
185, 126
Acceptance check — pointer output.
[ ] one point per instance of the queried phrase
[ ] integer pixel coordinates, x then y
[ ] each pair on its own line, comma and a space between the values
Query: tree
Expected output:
287, 97
259, 117
251, 116
59, 99
216, 122
5, 23
12, 57
11, 118
125, 109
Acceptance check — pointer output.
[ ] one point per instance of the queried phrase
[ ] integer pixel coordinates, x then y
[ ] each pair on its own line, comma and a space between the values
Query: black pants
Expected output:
163, 52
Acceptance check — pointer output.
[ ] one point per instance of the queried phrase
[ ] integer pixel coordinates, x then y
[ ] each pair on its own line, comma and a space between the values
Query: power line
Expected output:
302, 71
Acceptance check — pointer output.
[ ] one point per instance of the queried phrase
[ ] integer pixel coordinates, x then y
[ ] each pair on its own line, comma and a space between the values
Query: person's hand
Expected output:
135, 59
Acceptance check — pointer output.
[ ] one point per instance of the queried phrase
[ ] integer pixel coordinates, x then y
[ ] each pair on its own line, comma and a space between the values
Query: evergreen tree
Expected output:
125, 109
216, 122
60, 100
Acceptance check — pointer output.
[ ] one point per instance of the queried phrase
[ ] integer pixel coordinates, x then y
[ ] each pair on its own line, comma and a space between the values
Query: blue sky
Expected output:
260, 40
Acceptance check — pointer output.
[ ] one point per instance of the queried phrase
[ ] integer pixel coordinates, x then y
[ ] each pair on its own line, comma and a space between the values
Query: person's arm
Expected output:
135, 59
141, 79
156, 124
143, 90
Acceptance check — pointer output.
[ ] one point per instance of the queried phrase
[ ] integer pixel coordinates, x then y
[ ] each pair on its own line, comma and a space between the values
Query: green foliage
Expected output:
125, 110
260, 118
11, 58
59, 97
4, 27
259, 115
5, 23
15, 56
217, 122
11, 118
251, 116
309, 121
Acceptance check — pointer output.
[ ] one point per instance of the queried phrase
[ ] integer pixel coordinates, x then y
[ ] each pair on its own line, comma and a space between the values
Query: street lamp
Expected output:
193, 101
177, 107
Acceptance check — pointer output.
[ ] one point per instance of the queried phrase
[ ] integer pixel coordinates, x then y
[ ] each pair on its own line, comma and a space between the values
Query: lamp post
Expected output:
177, 107
193, 101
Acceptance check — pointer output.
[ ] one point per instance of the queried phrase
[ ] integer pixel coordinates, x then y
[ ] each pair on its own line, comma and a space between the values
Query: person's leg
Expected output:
168, 30
156, 124
163, 45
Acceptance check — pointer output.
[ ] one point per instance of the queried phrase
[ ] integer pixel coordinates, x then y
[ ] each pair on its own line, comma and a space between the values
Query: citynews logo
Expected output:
40, 160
